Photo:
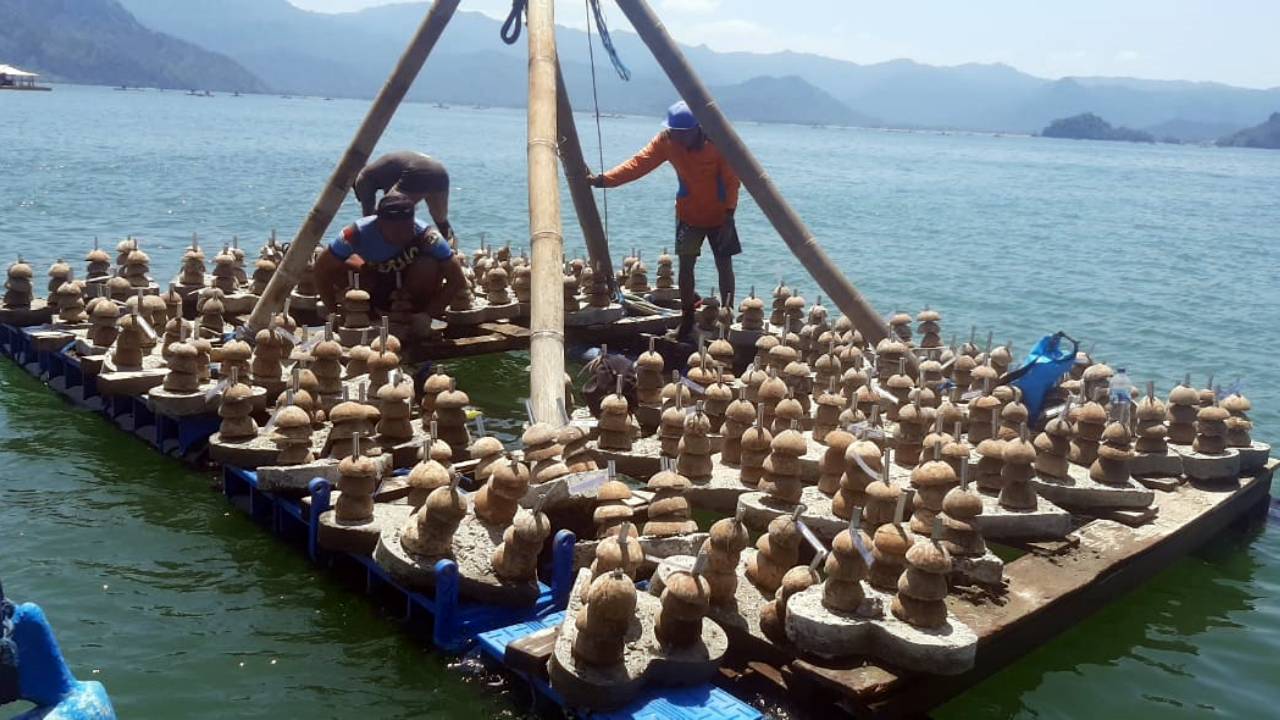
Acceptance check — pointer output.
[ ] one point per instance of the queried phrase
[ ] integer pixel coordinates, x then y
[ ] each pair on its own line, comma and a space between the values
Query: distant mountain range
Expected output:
1266, 135
99, 42
350, 54
1088, 126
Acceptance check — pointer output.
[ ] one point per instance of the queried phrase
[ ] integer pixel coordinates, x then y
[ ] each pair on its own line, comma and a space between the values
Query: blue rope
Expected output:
607, 41
510, 31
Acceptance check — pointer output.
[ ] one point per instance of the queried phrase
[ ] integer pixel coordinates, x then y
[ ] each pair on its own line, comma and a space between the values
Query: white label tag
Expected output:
884, 393
146, 326
693, 386
809, 537
271, 424
865, 467
861, 546
217, 390
588, 482
971, 396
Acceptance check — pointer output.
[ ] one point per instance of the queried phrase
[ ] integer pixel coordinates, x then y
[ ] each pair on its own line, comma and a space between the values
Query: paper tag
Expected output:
699, 563
272, 422
588, 482
693, 386
884, 393
810, 538
287, 336
865, 467
861, 546
396, 377
217, 390
146, 326
587, 424
970, 396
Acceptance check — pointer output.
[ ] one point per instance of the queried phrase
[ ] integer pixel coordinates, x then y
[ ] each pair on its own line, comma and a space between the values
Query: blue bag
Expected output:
1047, 362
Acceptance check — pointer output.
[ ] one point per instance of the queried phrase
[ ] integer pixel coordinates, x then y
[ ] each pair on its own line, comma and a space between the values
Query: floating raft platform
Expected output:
1052, 585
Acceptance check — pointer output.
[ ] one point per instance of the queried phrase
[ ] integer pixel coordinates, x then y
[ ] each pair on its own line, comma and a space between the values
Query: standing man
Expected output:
706, 198
416, 176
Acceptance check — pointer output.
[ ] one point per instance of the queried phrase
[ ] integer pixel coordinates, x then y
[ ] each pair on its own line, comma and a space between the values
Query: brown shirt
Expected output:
383, 173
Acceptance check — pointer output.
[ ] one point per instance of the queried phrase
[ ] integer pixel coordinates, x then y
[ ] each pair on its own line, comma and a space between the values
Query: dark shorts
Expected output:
723, 239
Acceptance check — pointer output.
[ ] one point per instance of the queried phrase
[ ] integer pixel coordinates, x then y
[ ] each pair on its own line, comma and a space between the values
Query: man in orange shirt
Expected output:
706, 198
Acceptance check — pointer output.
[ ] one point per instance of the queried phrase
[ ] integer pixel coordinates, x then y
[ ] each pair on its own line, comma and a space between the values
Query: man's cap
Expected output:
423, 180
680, 117
395, 206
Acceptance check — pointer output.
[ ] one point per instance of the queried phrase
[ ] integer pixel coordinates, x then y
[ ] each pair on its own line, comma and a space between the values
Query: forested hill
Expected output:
99, 42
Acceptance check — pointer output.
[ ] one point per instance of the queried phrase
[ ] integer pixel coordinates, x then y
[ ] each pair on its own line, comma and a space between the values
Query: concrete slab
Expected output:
756, 510
473, 545
645, 661
949, 650
588, 316
358, 538
1046, 522
656, 549
1168, 464
1080, 492
1224, 468
184, 404
294, 479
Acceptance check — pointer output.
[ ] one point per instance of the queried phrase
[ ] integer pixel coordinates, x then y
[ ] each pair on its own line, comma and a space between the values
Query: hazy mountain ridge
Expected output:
99, 42
1265, 135
350, 54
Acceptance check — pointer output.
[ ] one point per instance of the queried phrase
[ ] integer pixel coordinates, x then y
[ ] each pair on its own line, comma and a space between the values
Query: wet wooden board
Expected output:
482, 339
1047, 594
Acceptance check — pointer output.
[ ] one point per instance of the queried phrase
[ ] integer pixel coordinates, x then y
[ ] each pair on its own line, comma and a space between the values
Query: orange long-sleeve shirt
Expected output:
708, 189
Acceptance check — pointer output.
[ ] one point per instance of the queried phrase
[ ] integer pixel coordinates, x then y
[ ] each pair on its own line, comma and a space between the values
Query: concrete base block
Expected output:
756, 510
742, 337
130, 382
305, 303
645, 660
55, 338
722, 493
40, 313
1254, 457
248, 454
240, 303
1046, 522
1168, 464
350, 337
183, 404
359, 538
1080, 492
295, 478
985, 569
473, 545
948, 650
1211, 468
655, 549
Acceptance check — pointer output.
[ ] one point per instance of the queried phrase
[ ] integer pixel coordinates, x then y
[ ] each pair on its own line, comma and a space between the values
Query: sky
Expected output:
1228, 41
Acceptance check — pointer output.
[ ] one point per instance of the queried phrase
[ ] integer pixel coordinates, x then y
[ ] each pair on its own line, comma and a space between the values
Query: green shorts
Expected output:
723, 239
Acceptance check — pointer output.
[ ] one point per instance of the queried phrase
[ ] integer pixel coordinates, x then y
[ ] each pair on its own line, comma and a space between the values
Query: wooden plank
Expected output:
530, 653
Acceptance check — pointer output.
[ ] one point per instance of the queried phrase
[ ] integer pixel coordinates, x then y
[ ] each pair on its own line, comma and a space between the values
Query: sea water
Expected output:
1162, 259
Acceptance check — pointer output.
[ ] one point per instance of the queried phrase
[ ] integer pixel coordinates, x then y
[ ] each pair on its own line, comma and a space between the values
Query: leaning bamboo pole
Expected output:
780, 213
356, 156
546, 241
575, 174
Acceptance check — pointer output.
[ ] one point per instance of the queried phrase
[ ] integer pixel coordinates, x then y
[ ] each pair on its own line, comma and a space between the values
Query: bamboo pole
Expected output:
575, 173
356, 156
780, 213
546, 241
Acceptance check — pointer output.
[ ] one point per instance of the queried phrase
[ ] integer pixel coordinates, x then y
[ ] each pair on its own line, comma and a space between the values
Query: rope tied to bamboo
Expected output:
511, 27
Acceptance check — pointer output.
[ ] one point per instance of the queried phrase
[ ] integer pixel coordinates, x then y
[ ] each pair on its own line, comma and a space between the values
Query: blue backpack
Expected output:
1047, 362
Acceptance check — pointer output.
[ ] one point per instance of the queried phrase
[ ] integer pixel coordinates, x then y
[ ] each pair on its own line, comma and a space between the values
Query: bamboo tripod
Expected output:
551, 131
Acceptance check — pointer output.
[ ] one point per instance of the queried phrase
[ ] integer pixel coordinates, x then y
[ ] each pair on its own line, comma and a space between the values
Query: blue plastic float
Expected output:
32, 669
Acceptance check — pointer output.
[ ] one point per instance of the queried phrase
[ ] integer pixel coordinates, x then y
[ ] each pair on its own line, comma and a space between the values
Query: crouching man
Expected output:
381, 246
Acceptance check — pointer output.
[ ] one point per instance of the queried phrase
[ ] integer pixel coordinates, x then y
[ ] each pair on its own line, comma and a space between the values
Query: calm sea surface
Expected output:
1166, 259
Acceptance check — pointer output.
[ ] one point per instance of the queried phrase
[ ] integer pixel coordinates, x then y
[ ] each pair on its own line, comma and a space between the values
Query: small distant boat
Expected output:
199, 93
12, 78
441, 105
480, 107
40, 674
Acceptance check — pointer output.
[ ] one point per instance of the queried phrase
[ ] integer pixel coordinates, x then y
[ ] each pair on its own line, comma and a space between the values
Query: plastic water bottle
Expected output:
1121, 388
